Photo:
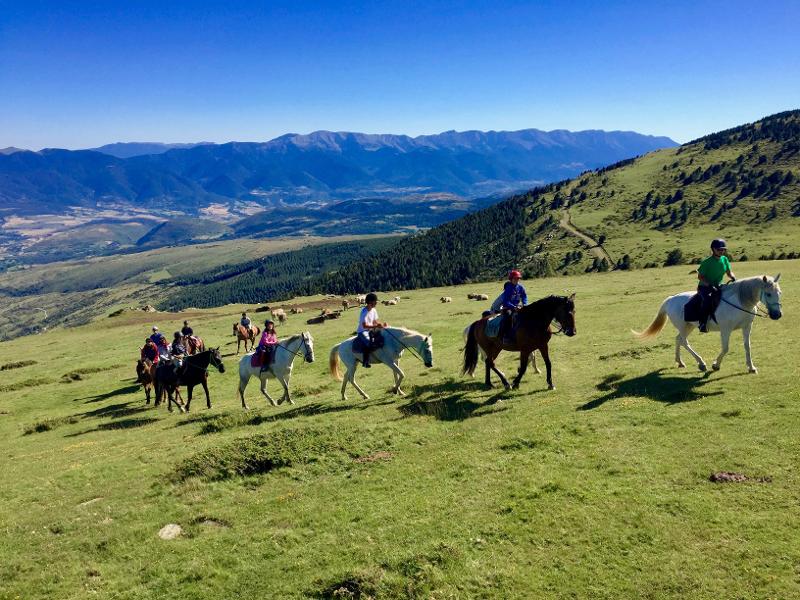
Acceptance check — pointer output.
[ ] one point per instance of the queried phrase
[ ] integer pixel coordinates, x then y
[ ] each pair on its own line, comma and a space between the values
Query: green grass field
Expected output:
598, 489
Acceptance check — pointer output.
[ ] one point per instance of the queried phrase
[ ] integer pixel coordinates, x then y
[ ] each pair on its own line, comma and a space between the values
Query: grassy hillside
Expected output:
598, 489
76, 291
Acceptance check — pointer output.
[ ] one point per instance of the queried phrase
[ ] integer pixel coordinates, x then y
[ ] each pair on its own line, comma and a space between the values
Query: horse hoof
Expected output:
681, 365
702, 368
487, 386
551, 387
752, 370
715, 366
514, 386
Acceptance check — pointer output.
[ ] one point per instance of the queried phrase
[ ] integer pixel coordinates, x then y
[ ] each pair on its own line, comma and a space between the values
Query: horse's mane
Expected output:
749, 288
291, 338
542, 302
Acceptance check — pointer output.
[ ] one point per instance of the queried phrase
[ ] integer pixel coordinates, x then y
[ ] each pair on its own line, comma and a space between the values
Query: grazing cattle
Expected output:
296, 310
445, 299
471, 296
333, 314
396, 298
279, 314
345, 304
316, 320
481, 297
361, 298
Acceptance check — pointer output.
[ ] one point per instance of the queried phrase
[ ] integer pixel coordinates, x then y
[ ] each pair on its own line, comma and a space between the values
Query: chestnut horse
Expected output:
532, 332
242, 333
146, 375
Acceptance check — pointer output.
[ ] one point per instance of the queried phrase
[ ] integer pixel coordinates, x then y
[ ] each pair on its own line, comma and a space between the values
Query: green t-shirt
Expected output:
713, 269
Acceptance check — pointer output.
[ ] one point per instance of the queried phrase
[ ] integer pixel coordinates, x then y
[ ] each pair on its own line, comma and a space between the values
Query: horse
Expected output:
483, 354
246, 334
737, 310
193, 372
145, 374
396, 340
280, 368
532, 333
193, 344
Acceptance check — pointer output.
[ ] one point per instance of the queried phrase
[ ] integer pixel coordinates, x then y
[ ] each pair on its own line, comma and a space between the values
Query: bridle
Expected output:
308, 356
422, 344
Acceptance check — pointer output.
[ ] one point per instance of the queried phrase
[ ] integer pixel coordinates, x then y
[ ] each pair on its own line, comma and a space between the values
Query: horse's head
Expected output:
215, 359
308, 343
565, 315
235, 328
771, 296
427, 351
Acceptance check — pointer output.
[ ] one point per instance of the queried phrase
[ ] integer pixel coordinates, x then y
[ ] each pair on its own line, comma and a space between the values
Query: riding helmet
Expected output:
371, 297
718, 244
269, 322
513, 274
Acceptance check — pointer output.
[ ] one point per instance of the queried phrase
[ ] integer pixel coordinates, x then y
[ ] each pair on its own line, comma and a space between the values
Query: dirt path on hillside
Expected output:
596, 249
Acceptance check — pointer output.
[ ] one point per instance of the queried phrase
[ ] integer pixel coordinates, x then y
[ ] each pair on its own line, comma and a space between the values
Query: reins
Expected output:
399, 341
302, 343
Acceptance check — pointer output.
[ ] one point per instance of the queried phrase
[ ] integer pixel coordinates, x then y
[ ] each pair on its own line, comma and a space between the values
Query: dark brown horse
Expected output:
532, 332
194, 372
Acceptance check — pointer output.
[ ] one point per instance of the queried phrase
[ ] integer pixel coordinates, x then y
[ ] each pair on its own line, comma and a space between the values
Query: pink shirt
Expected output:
268, 338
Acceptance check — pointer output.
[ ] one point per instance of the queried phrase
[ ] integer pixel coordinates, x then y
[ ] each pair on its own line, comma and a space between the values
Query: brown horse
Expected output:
242, 333
146, 375
193, 344
532, 332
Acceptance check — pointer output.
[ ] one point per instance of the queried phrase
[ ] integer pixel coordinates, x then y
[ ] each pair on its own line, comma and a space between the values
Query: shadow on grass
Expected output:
448, 401
128, 389
115, 411
121, 424
655, 385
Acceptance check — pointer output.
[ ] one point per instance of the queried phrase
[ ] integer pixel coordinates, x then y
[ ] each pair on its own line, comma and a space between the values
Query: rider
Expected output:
710, 273
513, 298
149, 351
186, 331
160, 341
368, 325
177, 351
268, 342
245, 321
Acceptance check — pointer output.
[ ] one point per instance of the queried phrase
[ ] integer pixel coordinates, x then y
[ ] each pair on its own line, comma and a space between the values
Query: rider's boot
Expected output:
703, 326
365, 360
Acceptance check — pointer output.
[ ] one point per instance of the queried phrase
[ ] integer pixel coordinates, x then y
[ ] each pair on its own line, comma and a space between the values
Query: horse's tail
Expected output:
334, 363
470, 351
656, 326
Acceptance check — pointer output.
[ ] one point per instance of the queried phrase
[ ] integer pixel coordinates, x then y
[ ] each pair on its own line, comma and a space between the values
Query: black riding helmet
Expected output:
718, 244
371, 297
177, 335
269, 322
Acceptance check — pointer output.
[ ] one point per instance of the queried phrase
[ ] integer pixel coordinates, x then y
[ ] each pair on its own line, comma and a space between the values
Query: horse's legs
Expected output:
488, 382
725, 336
398, 378
678, 343
751, 368
523, 366
263, 379
204, 383
345, 379
533, 363
242, 386
490, 357
701, 364
546, 357
189, 389
286, 397
351, 374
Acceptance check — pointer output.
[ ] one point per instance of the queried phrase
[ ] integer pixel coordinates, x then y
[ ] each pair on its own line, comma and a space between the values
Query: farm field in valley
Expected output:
597, 489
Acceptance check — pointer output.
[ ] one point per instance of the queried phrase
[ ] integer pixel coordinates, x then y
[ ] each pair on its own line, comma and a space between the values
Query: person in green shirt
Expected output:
710, 273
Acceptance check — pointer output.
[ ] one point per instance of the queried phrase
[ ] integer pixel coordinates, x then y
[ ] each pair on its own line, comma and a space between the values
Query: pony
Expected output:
145, 375
532, 333
737, 310
396, 340
193, 372
281, 367
245, 334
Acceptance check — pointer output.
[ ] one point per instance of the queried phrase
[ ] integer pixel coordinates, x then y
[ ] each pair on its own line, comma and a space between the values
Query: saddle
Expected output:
493, 323
375, 341
259, 359
695, 308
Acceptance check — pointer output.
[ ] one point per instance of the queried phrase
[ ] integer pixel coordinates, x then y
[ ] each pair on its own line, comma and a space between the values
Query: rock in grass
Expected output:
170, 531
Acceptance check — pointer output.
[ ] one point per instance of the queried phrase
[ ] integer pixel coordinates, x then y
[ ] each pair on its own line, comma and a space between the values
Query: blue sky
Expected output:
81, 74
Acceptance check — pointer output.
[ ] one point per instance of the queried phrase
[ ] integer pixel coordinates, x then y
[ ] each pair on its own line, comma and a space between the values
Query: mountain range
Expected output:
318, 168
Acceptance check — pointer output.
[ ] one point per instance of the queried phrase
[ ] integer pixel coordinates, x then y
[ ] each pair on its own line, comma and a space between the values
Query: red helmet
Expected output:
513, 274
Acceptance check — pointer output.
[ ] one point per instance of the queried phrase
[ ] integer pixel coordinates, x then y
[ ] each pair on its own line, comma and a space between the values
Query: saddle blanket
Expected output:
492, 329
257, 359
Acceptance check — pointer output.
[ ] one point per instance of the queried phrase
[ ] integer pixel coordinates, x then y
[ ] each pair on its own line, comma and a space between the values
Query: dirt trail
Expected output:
596, 249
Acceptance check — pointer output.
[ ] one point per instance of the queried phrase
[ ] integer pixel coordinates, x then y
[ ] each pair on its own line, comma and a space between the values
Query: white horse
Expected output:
301, 344
396, 340
531, 360
737, 310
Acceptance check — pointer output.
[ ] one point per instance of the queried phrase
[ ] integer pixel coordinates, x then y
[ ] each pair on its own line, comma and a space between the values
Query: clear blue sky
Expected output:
80, 74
